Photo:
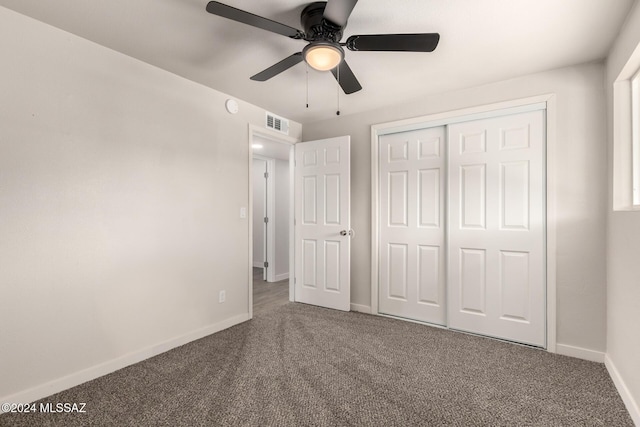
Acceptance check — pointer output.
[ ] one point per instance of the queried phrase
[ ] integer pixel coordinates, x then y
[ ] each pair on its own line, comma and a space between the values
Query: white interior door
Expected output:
412, 223
322, 223
259, 214
496, 274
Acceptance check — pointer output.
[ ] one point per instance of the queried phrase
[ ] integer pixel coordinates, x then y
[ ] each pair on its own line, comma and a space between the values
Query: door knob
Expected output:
346, 233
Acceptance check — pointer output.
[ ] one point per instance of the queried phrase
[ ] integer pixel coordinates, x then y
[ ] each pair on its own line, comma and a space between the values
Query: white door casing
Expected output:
322, 223
496, 248
412, 248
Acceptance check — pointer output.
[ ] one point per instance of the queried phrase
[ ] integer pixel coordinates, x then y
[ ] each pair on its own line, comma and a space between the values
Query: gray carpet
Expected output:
303, 365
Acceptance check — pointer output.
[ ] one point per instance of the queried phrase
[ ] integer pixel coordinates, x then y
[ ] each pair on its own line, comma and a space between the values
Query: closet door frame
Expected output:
542, 102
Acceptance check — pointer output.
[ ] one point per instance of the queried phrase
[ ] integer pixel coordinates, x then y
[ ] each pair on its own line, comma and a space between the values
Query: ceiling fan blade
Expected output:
238, 15
338, 11
346, 78
276, 69
394, 42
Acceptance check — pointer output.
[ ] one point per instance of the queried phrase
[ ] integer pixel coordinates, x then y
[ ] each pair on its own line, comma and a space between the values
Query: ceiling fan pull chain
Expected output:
338, 89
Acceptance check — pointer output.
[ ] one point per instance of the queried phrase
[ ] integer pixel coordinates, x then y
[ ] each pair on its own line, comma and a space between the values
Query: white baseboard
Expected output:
88, 374
361, 308
632, 406
580, 353
280, 277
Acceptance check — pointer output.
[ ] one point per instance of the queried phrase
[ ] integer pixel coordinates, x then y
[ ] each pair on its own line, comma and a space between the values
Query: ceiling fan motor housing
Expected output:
316, 28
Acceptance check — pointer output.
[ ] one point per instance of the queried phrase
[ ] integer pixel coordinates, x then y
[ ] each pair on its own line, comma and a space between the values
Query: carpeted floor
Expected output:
303, 365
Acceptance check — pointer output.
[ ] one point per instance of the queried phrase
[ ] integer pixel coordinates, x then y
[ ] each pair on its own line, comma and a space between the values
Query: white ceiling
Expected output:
481, 41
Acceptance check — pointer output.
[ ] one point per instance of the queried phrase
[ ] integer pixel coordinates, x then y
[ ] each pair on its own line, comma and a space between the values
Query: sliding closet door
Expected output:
412, 221
496, 272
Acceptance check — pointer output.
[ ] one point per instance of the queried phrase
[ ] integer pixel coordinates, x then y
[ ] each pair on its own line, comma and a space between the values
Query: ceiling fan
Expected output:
323, 23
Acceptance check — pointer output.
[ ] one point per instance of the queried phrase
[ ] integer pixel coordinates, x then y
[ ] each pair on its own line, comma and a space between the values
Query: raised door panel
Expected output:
514, 195
332, 265
473, 196
514, 286
332, 156
309, 200
429, 275
473, 142
397, 258
309, 262
515, 137
332, 199
397, 151
472, 267
398, 197
429, 194
430, 147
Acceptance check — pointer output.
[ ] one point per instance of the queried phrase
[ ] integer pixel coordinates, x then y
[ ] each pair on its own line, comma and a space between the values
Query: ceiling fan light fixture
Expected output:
323, 56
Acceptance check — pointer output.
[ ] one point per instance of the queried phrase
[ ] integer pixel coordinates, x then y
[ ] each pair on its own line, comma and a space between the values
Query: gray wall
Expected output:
581, 190
623, 249
120, 191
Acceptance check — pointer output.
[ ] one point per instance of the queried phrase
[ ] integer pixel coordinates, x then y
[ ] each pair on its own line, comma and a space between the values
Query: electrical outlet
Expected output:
222, 297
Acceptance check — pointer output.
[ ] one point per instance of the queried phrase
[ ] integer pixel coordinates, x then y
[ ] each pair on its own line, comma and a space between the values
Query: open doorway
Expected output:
271, 222
260, 178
